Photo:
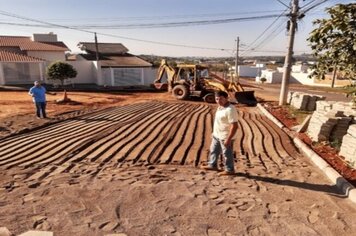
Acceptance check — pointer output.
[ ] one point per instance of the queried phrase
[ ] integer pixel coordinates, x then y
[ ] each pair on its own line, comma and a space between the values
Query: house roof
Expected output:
15, 57
58, 44
103, 48
126, 60
26, 44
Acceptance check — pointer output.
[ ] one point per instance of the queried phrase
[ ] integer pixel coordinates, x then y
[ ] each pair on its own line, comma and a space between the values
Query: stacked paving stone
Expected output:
348, 147
330, 121
303, 101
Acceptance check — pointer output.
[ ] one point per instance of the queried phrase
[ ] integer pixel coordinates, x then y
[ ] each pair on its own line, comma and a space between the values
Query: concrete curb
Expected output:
341, 183
270, 116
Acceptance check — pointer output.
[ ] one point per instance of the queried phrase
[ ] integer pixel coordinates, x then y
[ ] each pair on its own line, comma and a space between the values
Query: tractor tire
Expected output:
209, 98
180, 92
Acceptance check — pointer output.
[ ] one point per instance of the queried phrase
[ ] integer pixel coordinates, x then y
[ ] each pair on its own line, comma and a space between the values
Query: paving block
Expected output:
5, 232
37, 233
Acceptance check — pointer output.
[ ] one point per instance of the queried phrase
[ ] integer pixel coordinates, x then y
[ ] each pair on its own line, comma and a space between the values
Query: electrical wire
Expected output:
141, 26
147, 18
39, 21
313, 6
283, 3
251, 46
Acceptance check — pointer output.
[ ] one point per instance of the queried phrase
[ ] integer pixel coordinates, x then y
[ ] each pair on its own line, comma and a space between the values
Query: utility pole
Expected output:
237, 58
96, 47
288, 60
334, 77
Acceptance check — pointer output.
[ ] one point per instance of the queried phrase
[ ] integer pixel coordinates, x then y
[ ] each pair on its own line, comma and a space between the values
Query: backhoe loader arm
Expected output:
164, 67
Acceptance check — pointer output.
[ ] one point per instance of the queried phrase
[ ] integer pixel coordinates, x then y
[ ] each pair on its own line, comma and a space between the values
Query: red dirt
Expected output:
324, 150
100, 173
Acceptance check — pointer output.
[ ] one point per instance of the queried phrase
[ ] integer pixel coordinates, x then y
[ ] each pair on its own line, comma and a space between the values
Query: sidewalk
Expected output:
341, 183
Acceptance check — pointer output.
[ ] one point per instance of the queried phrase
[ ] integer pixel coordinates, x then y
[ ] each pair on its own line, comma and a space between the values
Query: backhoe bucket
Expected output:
246, 97
161, 86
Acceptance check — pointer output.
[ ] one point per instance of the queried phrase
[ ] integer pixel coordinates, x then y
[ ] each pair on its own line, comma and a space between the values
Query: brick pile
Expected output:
348, 147
303, 101
330, 121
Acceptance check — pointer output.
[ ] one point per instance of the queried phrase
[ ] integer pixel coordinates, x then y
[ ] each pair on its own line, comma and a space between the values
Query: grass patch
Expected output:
342, 90
336, 144
298, 114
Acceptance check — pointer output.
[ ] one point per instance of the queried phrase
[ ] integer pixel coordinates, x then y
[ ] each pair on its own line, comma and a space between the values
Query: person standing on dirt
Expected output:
38, 93
224, 132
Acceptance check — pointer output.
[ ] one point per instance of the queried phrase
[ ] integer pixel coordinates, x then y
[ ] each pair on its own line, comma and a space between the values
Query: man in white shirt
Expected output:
224, 132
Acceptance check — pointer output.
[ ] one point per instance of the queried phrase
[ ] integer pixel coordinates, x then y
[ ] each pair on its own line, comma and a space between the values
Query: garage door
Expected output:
127, 76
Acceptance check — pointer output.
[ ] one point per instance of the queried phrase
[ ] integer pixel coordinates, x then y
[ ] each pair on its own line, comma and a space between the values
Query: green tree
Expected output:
333, 42
60, 71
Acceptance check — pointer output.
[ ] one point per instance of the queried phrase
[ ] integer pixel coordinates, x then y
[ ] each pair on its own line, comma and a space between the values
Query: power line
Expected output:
259, 36
282, 3
277, 30
167, 44
307, 4
146, 18
313, 6
39, 21
110, 35
122, 37
141, 26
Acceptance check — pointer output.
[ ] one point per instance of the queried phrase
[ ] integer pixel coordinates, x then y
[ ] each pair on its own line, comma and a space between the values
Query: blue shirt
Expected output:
39, 93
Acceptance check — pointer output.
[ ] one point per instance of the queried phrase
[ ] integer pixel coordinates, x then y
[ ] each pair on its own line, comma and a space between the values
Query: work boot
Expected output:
226, 173
209, 168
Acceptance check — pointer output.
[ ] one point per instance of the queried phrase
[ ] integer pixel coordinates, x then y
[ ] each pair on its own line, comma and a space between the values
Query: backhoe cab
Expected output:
186, 81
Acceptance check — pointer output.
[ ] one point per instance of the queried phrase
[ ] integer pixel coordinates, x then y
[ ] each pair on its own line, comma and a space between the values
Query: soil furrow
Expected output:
271, 164
269, 142
202, 154
158, 136
145, 134
94, 149
192, 153
47, 129
93, 140
276, 137
60, 130
185, 146
248, 143
50, 150
175, 139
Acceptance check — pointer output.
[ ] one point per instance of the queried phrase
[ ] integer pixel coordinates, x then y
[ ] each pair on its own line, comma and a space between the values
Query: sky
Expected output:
260, 25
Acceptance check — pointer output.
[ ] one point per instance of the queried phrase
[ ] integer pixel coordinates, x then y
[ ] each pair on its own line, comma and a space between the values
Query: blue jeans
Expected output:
41, 109
216, 148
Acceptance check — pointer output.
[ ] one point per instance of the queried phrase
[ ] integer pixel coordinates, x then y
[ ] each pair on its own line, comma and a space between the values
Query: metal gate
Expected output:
127, 76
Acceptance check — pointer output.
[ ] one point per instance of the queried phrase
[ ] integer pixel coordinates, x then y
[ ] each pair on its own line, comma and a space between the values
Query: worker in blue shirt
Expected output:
38, 93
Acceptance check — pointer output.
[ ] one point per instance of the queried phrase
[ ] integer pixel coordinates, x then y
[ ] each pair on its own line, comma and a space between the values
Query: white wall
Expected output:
272, 76
2, 76
47, 55
149, 75
45, 37
300, 68
248, 71
86, 72
302, 78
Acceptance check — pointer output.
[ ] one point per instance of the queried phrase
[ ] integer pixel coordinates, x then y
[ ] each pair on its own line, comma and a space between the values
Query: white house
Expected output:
23, 60
117, 67
249, 71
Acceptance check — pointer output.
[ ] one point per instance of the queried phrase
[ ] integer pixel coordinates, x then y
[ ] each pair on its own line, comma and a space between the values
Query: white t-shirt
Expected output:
224, 117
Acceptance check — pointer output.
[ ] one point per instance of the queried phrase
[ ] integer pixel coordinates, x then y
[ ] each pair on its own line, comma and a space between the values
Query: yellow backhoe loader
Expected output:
186, 81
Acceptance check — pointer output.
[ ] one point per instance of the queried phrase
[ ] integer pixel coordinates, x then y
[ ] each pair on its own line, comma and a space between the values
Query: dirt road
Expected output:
133, 169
